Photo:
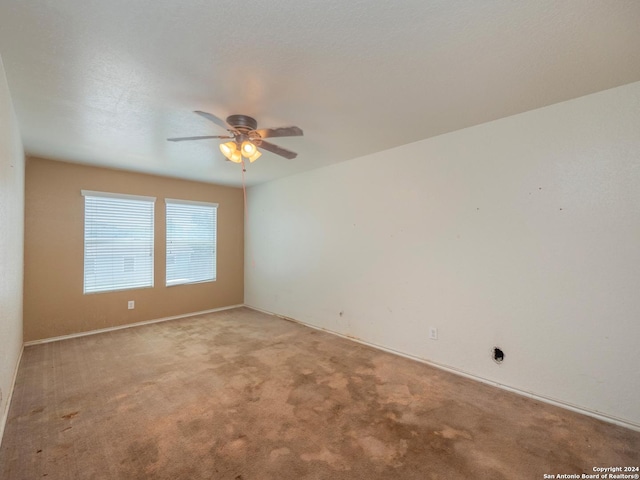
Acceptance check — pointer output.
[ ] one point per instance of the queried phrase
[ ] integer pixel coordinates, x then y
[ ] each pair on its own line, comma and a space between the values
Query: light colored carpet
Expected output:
240, 395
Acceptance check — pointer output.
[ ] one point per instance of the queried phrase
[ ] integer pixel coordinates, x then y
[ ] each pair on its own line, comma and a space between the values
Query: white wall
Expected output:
522, 233
11, 244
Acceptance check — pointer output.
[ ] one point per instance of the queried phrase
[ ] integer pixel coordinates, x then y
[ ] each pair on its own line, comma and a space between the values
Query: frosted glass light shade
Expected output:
255, 156
236, 157
228, 149
248, 149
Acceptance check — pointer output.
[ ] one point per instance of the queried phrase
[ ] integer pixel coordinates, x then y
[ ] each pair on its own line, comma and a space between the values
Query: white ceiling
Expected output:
106, 82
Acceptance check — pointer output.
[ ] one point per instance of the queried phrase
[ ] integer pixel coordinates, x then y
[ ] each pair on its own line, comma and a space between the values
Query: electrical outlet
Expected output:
433, 333
131, 304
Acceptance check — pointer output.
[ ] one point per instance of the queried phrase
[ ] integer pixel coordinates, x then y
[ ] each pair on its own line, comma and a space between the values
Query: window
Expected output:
191, 241
118, 241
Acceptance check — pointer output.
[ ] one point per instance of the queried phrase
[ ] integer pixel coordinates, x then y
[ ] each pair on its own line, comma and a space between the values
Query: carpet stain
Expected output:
380, 451
279, 452
334, 460
452, 433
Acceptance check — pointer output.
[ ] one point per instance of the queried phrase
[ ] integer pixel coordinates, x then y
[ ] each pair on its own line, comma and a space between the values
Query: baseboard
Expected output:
5, 414
541, 398
128, 325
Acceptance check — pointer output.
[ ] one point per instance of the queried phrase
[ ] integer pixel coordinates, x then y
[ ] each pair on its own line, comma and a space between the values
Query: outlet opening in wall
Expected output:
498, 355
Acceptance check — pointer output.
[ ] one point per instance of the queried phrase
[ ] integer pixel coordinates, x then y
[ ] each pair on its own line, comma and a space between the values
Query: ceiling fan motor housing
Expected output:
242, 122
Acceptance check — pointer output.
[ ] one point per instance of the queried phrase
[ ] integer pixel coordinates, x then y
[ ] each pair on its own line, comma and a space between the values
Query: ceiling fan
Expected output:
245, 138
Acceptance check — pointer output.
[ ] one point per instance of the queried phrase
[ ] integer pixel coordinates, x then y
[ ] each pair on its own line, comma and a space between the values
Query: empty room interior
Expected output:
320, 240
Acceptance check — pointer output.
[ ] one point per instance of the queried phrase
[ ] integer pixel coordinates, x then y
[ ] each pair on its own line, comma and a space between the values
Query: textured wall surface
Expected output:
521, 233
54, 251
11, 244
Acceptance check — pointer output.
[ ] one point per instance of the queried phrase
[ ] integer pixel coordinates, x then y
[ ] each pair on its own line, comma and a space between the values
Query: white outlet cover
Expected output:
131, 304
433, 333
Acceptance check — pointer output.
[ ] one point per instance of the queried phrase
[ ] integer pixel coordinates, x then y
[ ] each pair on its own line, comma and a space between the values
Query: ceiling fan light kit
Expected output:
234, 154
245, 138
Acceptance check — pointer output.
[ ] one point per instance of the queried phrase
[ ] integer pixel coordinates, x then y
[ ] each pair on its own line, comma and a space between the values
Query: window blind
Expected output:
118, 241
191, 241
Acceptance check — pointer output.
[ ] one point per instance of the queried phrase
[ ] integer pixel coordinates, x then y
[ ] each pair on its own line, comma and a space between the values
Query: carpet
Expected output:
240, 395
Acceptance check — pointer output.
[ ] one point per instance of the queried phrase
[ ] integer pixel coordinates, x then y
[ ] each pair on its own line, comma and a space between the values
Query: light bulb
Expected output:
248, 149
255, 156
228, 148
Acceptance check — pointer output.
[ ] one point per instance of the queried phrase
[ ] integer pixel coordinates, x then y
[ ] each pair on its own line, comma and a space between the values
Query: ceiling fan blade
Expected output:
280, 132
182, 139
283, 152
211, 117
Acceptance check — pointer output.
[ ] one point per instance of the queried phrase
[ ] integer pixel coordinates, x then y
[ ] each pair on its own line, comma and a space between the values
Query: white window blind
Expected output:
191, 241
118, 241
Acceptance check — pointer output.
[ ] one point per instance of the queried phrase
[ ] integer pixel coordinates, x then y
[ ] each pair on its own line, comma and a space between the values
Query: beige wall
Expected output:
54, 303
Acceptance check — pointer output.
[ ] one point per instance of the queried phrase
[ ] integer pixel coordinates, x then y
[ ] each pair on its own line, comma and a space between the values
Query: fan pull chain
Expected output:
246, 216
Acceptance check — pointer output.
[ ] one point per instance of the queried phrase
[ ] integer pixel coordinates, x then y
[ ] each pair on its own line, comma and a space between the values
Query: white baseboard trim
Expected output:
558, 403
5, 413
128, 325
